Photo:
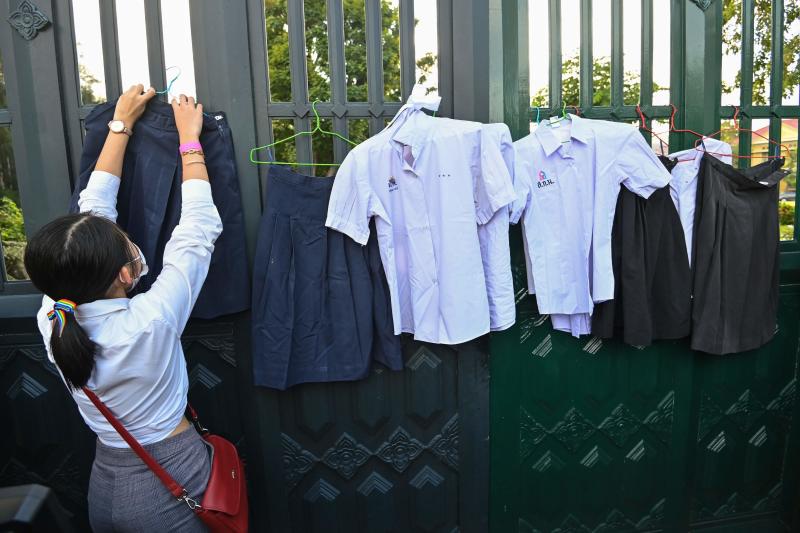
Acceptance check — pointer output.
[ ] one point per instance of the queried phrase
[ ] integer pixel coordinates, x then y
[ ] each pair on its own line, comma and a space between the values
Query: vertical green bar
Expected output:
617, 66
646, 85
299, 75
374, 27
516, 87
587, 61
408, 64
555, 54
776, 75
701, 74
746, 86
776, 88
677, 60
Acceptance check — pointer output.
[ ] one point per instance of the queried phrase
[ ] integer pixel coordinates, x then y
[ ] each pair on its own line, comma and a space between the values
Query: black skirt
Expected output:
652, 280
736, 268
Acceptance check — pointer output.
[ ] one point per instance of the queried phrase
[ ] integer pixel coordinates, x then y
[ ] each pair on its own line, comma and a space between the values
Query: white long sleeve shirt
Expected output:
140, 370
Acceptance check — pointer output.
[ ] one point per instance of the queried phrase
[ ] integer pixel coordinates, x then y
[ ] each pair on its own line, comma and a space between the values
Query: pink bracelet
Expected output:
194, 145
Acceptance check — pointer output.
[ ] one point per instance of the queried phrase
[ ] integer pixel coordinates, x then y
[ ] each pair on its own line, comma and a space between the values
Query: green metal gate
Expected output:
591, 435
585, 435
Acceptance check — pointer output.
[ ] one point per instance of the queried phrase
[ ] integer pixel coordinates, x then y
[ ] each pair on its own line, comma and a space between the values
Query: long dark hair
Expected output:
76, 257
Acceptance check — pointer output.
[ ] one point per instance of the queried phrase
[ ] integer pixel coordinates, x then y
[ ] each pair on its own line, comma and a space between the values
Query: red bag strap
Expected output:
162, 474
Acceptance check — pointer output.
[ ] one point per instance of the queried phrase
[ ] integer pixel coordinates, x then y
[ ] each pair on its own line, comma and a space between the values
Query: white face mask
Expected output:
142, 272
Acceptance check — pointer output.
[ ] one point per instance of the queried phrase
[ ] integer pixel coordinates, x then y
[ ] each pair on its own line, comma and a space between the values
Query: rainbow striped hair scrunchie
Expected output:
60, 308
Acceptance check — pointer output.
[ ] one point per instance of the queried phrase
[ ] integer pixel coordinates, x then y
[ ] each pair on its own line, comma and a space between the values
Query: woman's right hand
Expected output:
188, 118
131, 104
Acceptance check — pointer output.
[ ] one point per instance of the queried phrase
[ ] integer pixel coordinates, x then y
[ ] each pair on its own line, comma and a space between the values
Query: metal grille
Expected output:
617, 108
768, 42
764, 38
338, 107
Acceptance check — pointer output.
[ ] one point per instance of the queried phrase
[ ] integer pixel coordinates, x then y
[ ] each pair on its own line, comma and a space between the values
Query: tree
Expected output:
318, 68
601, 81
732, 40
11, 225
88, 80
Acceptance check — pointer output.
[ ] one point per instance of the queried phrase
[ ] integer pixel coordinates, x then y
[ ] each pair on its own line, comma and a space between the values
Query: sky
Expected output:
133, 44
538, 37
177, 41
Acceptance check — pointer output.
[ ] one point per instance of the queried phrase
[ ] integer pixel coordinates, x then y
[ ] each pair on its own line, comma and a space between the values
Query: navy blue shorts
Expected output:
321, 309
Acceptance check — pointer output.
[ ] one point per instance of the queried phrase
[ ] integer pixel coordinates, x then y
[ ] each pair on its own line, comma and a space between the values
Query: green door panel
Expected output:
592, 433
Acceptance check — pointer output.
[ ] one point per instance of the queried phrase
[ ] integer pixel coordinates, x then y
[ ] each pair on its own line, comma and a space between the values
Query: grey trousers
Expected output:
125, 495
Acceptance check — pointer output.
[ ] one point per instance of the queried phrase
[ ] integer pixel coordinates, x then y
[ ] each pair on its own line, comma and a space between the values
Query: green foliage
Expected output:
12, 236
318, 67
14, 259
87, 81
12, 227
732, 40
601, 81
786, 213
786, 220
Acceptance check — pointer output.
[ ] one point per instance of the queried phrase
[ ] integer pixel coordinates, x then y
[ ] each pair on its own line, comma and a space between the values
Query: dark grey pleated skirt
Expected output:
125, 495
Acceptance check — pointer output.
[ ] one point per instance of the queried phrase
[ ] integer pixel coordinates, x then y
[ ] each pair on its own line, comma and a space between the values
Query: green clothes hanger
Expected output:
317, 129
563, 114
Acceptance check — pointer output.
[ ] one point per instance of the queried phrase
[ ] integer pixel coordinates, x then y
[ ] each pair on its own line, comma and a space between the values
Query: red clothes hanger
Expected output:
738, 129
672, 128
643, 126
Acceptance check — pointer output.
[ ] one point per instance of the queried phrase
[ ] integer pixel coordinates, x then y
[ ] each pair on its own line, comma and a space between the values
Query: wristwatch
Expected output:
117, 126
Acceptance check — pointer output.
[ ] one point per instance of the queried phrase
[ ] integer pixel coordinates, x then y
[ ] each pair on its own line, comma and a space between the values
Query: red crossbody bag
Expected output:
224, 507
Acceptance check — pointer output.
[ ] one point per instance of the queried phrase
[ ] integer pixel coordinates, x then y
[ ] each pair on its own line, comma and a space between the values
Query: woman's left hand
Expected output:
131, 104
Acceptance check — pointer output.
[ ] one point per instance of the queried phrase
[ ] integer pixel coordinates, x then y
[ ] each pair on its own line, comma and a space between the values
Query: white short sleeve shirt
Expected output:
429, 184
568, 175
493, 236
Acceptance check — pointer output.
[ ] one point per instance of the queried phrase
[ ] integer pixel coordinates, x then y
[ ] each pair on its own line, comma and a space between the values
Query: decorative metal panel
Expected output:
389, 457
28, 20
593, 435
703, 4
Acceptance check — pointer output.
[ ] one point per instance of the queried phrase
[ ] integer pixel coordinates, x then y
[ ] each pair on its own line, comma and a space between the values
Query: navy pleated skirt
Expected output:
321, 309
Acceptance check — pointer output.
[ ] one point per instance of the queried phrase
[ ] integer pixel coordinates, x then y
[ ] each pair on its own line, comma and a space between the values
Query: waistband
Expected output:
180, 443
762, 176
290, 193
160, 115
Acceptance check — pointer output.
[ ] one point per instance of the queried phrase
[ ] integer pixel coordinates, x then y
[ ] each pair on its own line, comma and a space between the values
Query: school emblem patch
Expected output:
544, 180
392, 184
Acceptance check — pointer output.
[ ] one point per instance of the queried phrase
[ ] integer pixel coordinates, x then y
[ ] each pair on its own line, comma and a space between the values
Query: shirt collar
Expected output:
102, 307
579, 130
414, 133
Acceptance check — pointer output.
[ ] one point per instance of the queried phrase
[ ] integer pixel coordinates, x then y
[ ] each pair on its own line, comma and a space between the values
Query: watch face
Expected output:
116, 126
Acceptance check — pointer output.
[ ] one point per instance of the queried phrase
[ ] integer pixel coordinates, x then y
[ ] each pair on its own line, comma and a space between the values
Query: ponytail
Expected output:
73, 352
76, 257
